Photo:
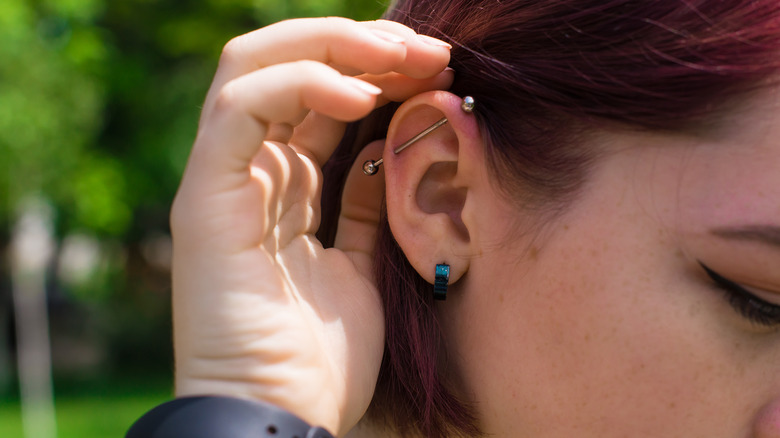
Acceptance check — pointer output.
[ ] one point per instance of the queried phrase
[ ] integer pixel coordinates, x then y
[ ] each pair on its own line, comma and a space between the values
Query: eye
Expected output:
753, 308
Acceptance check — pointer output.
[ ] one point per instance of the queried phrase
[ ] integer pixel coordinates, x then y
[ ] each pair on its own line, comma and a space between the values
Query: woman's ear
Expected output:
431, 185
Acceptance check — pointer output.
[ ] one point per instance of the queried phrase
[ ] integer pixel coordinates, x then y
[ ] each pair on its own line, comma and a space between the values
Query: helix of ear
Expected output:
371, 167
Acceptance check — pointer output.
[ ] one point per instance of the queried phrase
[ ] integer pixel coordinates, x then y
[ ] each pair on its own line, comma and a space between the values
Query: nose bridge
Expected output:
767, 424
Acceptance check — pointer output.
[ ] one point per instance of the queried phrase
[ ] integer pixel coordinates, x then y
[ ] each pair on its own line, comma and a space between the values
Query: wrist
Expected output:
312, 406
225, 417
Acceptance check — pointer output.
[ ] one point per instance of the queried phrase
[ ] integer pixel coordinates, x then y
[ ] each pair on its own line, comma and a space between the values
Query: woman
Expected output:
609, 212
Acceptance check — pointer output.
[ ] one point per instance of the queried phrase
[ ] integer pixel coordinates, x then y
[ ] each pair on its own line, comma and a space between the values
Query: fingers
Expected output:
276, 74
271, 79
397, 87
317, 136
425, 56
371, 47
323, 134
332, 39
291, 187
360, 207
247, 106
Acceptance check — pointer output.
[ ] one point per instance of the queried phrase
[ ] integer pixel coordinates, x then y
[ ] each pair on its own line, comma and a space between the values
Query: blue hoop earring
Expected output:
440, 284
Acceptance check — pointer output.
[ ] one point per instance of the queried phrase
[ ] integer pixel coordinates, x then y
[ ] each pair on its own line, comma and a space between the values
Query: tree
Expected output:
99, 102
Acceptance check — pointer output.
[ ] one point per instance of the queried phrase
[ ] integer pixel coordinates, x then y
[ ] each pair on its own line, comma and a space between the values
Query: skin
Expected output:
598, 322
601, 322
615, 292
261, 310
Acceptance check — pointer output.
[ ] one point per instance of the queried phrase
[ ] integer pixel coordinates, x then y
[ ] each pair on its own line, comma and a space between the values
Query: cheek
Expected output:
583, 345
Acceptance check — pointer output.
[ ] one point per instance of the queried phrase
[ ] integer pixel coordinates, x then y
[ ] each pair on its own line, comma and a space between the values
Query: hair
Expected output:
544, 74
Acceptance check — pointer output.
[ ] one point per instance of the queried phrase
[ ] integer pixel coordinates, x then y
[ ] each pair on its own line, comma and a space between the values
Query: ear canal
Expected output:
371, 167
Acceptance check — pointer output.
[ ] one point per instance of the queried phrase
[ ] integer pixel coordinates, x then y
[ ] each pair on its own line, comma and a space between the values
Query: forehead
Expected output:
735, 176
729, 173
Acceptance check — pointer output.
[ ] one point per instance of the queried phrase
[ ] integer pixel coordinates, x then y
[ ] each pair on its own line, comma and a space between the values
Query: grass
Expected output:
93, 407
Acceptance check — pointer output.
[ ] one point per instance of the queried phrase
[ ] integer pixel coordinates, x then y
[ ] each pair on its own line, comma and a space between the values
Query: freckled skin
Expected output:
608, 328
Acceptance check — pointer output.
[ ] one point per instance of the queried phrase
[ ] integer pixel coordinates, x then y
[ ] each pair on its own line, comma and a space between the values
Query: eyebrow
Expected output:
768, 234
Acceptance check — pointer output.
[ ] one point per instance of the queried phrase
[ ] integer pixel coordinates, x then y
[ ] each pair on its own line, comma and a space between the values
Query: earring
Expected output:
441, 281
371, 167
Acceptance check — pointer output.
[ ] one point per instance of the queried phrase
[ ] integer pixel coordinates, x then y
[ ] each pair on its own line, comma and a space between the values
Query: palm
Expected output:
261, 309
296, 305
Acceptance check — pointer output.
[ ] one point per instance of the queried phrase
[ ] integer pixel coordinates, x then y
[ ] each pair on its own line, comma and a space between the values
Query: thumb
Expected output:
361, 204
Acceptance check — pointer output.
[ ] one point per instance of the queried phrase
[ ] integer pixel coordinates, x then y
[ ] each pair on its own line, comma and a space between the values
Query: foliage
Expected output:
100, 99
99, 102
94, 408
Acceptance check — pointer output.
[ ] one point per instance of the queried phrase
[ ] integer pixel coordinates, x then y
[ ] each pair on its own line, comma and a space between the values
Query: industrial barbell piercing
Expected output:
468, 104
371, 167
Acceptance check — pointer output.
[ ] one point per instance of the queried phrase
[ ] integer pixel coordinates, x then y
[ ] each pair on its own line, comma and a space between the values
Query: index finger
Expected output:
373, 47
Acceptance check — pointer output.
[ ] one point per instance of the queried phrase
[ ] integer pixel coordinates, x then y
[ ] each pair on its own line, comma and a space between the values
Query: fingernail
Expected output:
387, 36
433, 41
363, 85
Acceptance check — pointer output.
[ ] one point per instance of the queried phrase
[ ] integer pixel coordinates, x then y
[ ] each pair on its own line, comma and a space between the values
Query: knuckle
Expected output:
308, 67
233, 49
228, 97
335, 24
323, 70
312, 69
336, 29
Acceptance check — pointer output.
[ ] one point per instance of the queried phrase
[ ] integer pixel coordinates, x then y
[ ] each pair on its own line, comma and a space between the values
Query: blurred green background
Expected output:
99, 102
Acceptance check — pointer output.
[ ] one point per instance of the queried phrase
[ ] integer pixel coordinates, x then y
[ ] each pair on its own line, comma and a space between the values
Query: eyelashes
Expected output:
751, 307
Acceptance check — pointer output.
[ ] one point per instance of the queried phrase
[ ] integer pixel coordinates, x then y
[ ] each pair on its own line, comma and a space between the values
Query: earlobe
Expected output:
430, 181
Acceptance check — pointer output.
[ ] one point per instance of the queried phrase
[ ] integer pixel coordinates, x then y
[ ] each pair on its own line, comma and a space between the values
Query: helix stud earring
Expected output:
371, 167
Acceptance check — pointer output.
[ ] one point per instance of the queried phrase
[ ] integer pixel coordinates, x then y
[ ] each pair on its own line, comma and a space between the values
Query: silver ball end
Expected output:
468, 104
370, 168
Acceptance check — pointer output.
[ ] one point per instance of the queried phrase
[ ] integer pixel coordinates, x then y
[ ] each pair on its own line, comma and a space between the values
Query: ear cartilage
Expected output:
371, 167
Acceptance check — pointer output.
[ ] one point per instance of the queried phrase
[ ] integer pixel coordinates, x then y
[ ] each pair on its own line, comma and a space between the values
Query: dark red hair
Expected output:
545, 73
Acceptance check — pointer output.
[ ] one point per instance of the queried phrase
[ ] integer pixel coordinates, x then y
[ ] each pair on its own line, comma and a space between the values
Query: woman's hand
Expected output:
261, 310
